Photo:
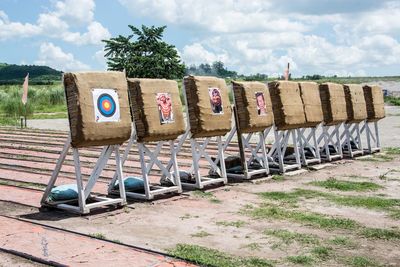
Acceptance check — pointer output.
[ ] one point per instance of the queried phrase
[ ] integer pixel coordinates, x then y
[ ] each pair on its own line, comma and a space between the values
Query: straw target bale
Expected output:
333, 103
253, 105
156, 108
375, 103
98, 108
209, 108
312, 103
287, 105
355, 103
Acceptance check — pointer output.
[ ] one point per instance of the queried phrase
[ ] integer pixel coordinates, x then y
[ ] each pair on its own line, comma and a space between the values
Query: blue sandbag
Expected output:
64, 192
131, 184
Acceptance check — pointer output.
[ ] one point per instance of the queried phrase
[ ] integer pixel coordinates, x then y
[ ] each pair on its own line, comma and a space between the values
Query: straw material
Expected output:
333, 103
85, 131
207, 119
375, 103
312, 103
355, 103
156, 108
253, 116
287, 105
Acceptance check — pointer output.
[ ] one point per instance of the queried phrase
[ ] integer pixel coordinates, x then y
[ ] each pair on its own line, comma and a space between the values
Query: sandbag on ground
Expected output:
312, 103
98, 108
156, 109
355, 103
253, 105
375, 103
287, 105
209, 108
333, 103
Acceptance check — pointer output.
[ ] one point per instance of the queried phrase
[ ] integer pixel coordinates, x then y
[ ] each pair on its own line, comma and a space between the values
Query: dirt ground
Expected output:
285, 219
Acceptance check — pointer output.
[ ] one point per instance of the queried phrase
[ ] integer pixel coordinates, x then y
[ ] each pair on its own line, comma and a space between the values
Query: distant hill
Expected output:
15, 74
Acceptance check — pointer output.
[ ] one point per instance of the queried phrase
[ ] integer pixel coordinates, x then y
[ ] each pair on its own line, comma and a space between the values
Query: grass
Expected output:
98, 236
392, 150
207, 195
309, 218
215, 258
343, 241
370, 202
236, 224
322, 252
378, 158
41, 116
392, 100
301, 259
333, 183
361, 261
278, 177
377, 233
201, 234
288, 237
253, 246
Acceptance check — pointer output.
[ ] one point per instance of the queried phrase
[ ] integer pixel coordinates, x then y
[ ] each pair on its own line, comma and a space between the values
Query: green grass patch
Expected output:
342, 241
392, 150
214, 258
310, 218
201, 234
392, 100
42, 116
301, 259
378, 158
278, 177
361, 261
253, 246
236, 224
98, 236
322, 252
378, 233
333, 183
372, 202
288, 237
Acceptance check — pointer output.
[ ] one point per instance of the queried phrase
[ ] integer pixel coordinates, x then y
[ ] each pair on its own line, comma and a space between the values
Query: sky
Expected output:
327, 37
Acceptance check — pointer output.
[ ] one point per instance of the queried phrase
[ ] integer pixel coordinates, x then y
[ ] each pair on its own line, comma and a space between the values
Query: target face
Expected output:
106, 105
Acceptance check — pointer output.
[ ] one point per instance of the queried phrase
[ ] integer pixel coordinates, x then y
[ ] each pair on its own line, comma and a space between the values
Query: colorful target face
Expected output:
106, 105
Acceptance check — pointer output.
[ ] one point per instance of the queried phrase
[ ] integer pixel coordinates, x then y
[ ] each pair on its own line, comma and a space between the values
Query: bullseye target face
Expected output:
106, 105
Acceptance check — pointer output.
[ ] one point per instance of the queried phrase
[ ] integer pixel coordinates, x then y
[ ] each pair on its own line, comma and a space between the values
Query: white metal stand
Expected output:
330, 143
258, 155
148, 158
278, 150
373, 142
308, 146
352, 145
84, 192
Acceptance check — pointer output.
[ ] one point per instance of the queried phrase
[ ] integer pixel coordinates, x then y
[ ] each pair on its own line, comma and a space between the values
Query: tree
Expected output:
143, 54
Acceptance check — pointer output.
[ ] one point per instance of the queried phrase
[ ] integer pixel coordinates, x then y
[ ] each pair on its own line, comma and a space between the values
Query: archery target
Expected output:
106, 105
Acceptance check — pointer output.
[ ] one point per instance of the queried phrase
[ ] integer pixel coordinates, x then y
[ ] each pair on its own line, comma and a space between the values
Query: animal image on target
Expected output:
106, 105
164, 103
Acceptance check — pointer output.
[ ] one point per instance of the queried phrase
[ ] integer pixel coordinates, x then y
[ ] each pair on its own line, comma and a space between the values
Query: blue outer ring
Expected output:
104, 112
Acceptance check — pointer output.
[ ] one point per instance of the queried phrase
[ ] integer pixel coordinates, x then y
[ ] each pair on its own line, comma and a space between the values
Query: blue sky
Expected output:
342, 37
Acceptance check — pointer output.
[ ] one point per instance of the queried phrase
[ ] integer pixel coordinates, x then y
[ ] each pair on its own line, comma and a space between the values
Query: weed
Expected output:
301, 259
321, 252
361, 261
289, 237
98, 236
207, 195
341, 241
214, 258
201, 234
378, 233
333, 183
236, 224
253, 246
278, 177
392, 150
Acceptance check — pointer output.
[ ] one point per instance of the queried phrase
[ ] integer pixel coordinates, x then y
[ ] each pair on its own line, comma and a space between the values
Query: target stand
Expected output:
330, 143
148, 157
351, 140
372, 134
308, 146
279, 162
254, 162
84, 193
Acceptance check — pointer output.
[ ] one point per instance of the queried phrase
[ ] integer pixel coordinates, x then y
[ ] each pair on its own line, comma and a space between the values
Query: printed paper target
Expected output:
106, 105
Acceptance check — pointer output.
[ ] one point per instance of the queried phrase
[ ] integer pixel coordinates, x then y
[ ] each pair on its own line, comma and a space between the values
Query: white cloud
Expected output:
58, 22
53, 56
99, 57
